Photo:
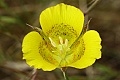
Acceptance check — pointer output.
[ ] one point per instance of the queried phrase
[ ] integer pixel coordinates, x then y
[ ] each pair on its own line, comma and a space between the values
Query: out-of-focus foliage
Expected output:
14, 14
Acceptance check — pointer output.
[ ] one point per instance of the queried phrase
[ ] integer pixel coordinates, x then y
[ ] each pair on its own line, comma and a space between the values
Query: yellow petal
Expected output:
62, 20
92, 42
31, 48
92, 51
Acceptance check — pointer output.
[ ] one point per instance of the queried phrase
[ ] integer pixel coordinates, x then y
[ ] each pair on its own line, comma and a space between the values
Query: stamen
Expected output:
62, 47
61, 40
52, 42
66, 42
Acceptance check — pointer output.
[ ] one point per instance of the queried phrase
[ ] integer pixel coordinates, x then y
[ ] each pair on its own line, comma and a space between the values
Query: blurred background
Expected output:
14, 14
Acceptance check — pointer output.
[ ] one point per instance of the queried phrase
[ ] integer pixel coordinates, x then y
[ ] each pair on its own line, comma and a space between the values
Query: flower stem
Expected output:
34, 74
64, 73
65, 76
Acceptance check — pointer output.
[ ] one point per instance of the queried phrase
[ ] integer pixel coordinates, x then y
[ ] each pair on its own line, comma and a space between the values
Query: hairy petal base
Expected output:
31, 48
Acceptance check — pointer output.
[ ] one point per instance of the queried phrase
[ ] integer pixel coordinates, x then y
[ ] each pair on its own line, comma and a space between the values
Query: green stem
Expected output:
64, 73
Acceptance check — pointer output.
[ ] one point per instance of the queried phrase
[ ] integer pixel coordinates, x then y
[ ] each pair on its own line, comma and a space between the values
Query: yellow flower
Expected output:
62, 42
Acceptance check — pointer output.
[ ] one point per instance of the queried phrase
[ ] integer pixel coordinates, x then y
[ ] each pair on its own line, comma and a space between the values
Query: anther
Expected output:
66, 42
52, 42
61, 40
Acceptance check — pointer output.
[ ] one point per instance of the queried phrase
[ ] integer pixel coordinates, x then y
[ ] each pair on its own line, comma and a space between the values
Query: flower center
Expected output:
62, 49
